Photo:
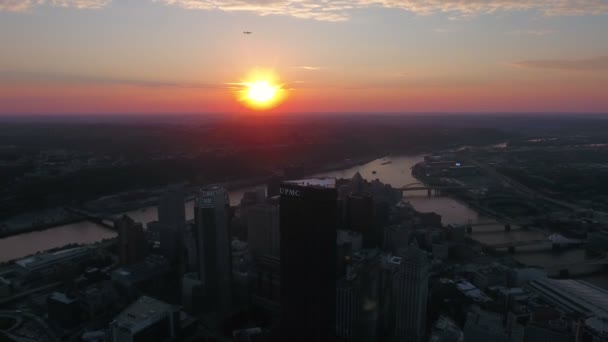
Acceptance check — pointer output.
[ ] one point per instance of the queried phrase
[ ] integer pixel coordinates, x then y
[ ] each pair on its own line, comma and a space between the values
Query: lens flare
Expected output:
261, 91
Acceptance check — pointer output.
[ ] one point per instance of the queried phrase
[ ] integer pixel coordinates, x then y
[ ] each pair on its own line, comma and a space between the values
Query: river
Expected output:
84, 232
394, 170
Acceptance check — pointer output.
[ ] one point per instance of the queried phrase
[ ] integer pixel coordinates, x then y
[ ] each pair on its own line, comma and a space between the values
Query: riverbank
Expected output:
36, 221
114, 205
39, 227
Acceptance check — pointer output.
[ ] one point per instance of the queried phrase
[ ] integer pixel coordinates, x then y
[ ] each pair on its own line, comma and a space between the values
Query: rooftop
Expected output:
152, 266
598, 324
62, 297
212, 190
144, 312
471, 291
365, 254
346, 236
45, 259
316, 182
576, 295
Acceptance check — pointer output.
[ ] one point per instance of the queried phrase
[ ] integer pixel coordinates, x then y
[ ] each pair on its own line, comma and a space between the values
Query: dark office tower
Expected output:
253, 197
263, 230
211, 214
344, 191
172, 209
382, 212
410, 294
132, 246
172, 225
357, 183
360, 218
308, 219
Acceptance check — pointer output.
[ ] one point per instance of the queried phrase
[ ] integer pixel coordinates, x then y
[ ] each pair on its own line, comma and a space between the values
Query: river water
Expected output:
394, 170
84, 232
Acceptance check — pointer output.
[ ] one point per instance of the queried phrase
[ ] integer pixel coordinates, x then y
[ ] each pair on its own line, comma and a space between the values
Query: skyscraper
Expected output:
172, 225
211, 215
308, 219
172, 209
263, 229
357, 297
131, 240
410, 292
360, 218
348, 307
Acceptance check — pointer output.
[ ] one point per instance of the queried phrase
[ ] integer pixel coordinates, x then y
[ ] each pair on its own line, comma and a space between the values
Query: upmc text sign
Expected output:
290, 192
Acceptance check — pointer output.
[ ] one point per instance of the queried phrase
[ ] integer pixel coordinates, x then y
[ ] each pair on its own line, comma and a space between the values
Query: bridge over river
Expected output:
432, 188
554, 240
103, 220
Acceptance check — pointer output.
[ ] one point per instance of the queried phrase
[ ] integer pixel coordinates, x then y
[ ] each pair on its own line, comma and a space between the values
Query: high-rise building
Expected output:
308, 219
357, 298
263, 229
172, 226
360, 218
191, 251
348, 304
192, 292
171, 244
211, 215
132, 245
410, 292
265, 280
382, 213
357, 182
253, 197
347, 242
172, 209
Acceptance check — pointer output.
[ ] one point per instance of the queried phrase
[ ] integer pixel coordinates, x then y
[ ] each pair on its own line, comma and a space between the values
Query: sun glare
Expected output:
261, 91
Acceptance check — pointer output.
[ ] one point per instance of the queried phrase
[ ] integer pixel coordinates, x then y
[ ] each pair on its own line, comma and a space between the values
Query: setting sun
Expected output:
261, 91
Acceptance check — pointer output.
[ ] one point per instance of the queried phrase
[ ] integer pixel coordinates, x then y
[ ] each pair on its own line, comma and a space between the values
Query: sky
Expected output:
185, 56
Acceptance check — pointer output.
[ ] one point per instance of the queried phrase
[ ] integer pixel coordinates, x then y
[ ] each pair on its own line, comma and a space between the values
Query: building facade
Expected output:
263, 230
211, 215
132, 243
308, 220
410, 293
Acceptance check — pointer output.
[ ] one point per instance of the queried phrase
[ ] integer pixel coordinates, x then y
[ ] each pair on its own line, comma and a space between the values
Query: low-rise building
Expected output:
45, 260
147, 319
147, 274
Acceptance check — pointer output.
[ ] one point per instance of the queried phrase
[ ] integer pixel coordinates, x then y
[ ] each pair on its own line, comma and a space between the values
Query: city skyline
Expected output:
304, 170
101, 56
